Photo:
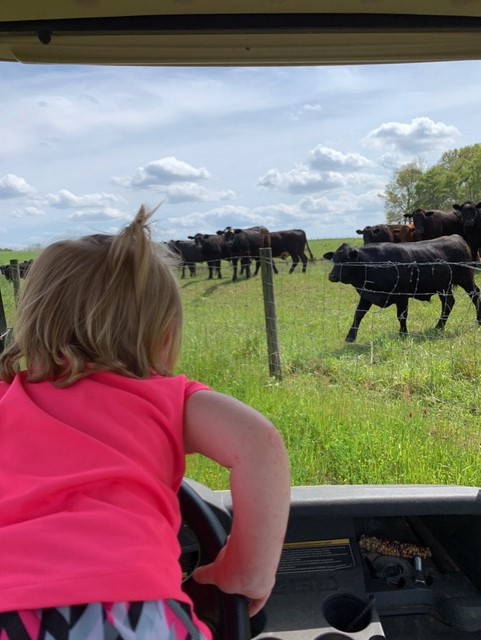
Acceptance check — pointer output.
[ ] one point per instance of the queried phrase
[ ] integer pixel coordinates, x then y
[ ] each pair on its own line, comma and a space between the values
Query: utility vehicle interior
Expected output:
360, 562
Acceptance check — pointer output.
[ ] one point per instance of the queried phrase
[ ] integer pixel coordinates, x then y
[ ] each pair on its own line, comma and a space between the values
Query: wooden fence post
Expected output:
270, 313
15, 275
3, 325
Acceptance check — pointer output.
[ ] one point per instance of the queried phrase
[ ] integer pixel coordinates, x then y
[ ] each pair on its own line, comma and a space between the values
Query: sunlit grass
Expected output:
386, 409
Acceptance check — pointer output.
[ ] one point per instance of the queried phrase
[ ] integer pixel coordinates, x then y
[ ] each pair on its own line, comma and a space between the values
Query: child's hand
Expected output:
231, 580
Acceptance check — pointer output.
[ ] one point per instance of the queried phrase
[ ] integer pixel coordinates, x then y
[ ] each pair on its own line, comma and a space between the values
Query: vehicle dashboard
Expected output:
368, 562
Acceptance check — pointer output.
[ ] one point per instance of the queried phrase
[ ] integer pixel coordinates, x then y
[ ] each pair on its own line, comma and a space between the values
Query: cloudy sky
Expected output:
292, 147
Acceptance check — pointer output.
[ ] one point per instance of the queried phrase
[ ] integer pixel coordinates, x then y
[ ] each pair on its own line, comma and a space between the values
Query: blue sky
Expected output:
288, 147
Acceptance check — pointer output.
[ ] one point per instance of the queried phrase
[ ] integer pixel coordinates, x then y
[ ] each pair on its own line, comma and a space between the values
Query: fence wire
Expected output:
313, 316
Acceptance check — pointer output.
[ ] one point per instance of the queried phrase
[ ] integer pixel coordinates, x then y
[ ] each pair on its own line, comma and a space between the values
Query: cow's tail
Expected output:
311, 257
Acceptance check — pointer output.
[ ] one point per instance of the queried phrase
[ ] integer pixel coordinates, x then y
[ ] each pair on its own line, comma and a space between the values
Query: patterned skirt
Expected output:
159, 620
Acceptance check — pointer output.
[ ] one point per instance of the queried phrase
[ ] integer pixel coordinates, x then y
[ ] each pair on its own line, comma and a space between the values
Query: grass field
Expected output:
383, 410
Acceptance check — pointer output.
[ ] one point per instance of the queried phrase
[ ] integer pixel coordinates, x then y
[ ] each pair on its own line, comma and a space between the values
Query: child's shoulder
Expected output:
180, 384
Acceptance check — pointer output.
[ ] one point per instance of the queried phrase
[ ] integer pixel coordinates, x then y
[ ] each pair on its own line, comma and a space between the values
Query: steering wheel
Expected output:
225, 614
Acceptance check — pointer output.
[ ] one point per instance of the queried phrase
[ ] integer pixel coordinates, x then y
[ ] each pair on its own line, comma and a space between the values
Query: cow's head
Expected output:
199, 238
418, 217
343, 258
468, 212
229, 234
367, 234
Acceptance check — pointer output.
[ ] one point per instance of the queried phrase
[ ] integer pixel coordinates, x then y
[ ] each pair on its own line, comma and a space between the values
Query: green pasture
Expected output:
383, 410
6, 288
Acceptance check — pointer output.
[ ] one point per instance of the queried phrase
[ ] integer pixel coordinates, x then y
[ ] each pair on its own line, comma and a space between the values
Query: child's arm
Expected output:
243, 440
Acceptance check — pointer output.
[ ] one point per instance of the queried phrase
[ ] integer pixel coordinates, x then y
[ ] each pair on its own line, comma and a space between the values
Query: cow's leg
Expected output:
211, 268
234, 262
447, 303
304, 262
192, 270
246, 267
402, 315
295, 262
274, 268
362, 308
217, 269
258, 265
183, 271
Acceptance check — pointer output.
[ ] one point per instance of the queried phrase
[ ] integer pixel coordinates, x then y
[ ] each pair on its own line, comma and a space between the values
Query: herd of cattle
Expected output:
240, 246
429, 256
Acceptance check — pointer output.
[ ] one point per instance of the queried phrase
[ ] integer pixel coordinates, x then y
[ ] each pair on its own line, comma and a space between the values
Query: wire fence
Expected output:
289, 323
312, 316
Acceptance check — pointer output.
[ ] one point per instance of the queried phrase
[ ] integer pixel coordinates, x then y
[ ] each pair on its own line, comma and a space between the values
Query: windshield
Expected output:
319, 149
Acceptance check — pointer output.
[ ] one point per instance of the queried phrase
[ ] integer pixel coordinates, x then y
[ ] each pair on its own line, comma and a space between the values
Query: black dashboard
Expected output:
374, 563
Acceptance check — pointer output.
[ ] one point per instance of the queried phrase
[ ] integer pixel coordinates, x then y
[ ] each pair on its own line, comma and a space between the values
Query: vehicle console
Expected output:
400, 562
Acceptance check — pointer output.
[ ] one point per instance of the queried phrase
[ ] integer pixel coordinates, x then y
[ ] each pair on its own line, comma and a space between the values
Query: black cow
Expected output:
384, 274
23, 268
189, 253
471, 219
244, 245
434, 224
376, 233
213, 251
387, 233
292, 242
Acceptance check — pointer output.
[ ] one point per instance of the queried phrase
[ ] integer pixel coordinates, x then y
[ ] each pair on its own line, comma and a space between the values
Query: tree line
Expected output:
455, 178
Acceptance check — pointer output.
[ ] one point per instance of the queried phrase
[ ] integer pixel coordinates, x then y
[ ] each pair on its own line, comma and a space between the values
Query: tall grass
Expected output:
383, 410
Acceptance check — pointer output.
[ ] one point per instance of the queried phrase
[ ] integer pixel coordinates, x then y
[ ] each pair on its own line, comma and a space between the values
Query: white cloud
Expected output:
100, 215
302, 179
12, 186
34, 211
324, 169
420, 134
65, 199
191, 192
162, 172
324, 158
307, 110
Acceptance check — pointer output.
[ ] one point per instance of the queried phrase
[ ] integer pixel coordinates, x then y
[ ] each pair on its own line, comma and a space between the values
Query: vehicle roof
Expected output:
238, 32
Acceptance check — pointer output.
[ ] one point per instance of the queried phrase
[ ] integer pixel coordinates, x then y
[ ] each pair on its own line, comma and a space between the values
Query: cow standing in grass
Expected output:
244, 245
293, 243
23, 268
189, 254
384, 274
213, 250
470, 214
430, 224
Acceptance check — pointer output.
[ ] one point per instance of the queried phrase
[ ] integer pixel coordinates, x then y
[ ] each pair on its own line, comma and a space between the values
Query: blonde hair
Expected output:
99, 303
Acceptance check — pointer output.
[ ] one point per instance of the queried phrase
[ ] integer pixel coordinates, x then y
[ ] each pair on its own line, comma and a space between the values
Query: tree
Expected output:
463, 168
455, 178
435, 189
402, 193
